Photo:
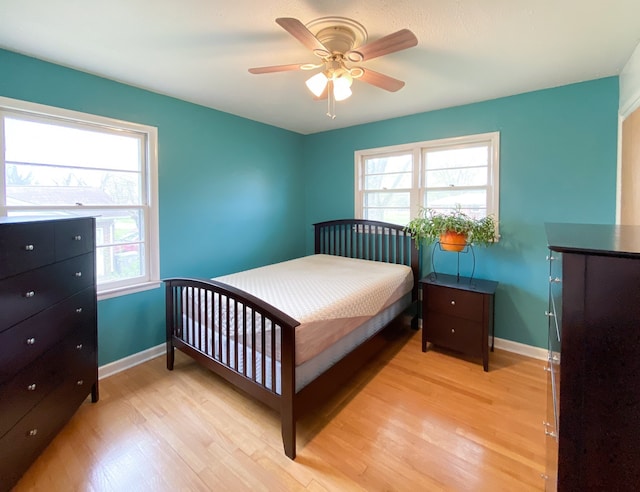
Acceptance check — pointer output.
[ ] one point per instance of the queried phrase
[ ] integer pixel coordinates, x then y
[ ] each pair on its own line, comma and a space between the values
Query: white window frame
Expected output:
418, 150
150, 207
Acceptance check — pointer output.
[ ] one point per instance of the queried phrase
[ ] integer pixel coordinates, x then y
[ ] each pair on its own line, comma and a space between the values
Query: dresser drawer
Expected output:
74, 237
37, 428
455, 302
454, 333
29, 386
29, 293
26, 341
25, 246
73, 359
81, 355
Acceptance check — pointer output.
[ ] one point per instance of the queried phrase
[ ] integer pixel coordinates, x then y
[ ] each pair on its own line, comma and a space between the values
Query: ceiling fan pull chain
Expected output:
331, 101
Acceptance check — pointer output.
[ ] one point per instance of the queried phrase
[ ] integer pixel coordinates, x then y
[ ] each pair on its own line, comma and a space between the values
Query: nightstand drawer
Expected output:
454, 333
457, 313
455, 302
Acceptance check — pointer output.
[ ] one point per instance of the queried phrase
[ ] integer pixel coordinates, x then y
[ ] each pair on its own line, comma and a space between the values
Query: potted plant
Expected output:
454, 229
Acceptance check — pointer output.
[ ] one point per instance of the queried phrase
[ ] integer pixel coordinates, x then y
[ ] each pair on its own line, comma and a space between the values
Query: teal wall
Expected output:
223, 179
558, 158
229, 188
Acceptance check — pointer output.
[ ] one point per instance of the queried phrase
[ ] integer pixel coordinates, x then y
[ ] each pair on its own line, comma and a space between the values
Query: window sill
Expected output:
130, 289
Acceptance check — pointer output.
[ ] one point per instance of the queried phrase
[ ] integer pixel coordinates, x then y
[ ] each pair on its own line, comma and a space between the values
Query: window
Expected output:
56, 162
392, 183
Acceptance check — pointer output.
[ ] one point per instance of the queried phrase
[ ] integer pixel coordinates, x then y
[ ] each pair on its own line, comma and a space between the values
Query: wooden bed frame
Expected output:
354, 238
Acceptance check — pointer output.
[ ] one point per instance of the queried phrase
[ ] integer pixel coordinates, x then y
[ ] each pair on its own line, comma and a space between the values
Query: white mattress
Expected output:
328, 295
339, 302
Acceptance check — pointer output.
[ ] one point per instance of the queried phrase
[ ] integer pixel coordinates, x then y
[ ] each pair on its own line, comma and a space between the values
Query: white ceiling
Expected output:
200, 50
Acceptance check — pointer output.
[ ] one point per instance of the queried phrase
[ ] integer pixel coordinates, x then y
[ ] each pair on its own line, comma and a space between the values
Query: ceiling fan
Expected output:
339, 43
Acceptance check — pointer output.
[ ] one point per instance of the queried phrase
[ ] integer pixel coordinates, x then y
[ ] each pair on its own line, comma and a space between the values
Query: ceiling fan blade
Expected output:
381, 80
299, 31
276, 68
397, 41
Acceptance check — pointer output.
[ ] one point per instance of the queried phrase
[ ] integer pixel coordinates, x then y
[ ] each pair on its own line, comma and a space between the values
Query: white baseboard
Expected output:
132, 360
521, 348
153, 352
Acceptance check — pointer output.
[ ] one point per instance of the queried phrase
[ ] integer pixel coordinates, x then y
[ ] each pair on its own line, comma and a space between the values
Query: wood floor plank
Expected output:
408, 421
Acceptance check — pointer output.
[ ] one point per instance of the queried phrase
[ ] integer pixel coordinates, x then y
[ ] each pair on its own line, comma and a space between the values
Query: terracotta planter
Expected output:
453, 241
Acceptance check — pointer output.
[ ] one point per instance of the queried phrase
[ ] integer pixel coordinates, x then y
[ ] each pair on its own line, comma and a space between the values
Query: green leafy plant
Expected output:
430, 224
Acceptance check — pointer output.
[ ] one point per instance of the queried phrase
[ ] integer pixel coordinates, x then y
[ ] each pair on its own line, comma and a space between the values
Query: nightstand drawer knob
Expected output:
28, 247
453, 303
77, 238
32, 432
31, 387
31, 341
452, 330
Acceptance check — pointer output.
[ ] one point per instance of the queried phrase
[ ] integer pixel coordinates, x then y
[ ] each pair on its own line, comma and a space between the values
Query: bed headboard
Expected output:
368, 240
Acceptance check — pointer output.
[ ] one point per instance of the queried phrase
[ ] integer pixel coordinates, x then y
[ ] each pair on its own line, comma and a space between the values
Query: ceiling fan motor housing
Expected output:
337, 39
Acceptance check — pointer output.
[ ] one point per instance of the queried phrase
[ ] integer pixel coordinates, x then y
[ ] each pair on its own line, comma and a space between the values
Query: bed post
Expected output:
169, 315
288, 397
415, 266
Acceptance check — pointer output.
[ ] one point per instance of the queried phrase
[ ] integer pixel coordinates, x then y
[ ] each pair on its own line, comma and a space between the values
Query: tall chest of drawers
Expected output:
593, 423
48, 333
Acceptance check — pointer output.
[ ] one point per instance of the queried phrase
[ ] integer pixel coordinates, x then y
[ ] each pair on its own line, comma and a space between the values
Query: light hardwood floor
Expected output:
408, 421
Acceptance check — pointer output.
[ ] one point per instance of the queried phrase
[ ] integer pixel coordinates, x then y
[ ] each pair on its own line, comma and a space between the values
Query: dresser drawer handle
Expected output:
79, 382
30, 293
79, 346
78, 274
32, 387
32, 432
453, 303
78, 310
452, 330
31, 341
28, 247
77, 238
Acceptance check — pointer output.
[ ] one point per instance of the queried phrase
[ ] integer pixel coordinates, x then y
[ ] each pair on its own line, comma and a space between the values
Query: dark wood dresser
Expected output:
48, 339
457, 313
593, 422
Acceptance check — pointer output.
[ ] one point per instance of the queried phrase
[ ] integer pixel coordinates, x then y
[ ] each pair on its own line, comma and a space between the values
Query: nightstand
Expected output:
457, 314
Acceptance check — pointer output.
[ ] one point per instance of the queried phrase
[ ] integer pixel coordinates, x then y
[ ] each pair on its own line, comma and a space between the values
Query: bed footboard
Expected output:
238, 336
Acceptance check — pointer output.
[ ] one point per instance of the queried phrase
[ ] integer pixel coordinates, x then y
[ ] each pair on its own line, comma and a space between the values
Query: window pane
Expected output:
54, 144
388, 181
457, 157
393, 215
118, 263
119, 241
474, 176
387, 200
448, 199
68, 186
390, 164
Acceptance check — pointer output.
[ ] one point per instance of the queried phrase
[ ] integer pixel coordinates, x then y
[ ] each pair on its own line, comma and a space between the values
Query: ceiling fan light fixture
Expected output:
341, 87
317, 83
